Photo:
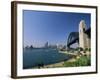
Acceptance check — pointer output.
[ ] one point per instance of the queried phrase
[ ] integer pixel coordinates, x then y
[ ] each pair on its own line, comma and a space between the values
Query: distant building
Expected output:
60, 46
31, 47
46, 45
27, 47
53, 46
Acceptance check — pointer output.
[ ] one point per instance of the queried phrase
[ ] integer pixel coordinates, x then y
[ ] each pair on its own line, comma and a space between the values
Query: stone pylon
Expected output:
83, 43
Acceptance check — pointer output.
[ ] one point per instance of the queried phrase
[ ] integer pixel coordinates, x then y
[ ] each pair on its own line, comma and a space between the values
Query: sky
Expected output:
40, 27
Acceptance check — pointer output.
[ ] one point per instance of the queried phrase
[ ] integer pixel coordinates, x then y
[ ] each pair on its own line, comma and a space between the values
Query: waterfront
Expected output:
33, 58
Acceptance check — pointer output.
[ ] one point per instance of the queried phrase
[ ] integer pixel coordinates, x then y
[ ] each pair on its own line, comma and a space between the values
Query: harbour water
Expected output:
37, 57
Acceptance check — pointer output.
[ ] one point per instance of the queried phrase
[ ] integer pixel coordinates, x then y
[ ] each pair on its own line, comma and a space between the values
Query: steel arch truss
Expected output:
72, 38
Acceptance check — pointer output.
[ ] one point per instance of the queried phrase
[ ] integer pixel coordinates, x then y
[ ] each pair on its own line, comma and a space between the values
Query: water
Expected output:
34, 57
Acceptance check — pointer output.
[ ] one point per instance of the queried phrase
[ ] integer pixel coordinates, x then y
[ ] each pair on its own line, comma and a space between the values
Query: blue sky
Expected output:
53, 27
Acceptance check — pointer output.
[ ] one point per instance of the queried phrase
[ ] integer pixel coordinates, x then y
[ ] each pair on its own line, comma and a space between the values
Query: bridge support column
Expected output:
83, 43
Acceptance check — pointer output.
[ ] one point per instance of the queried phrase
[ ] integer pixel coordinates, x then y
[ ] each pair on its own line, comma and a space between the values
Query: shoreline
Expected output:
73, 59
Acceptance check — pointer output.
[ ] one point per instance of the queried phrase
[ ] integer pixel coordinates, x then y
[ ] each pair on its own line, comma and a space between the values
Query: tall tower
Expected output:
82, 35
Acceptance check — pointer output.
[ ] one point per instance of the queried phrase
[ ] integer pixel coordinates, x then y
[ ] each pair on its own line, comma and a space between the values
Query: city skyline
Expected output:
52, 27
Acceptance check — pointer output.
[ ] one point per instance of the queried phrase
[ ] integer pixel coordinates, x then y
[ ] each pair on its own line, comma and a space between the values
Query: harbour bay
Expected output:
41, 57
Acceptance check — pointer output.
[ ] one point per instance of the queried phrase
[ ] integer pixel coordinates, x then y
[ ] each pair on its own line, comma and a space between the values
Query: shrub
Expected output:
82, 61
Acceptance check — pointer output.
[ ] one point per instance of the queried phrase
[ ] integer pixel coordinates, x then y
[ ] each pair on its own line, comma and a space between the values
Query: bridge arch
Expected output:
72, 38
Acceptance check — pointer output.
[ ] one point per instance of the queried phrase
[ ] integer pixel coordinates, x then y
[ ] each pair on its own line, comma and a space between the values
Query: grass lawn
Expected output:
82, 61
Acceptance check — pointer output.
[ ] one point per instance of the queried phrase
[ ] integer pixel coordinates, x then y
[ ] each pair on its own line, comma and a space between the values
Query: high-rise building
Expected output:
46, 45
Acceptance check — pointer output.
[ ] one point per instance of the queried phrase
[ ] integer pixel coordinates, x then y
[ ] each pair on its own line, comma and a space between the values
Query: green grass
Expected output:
82, 61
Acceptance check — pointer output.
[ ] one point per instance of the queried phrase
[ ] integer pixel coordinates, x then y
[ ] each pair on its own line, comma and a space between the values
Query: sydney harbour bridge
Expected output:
74, 37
